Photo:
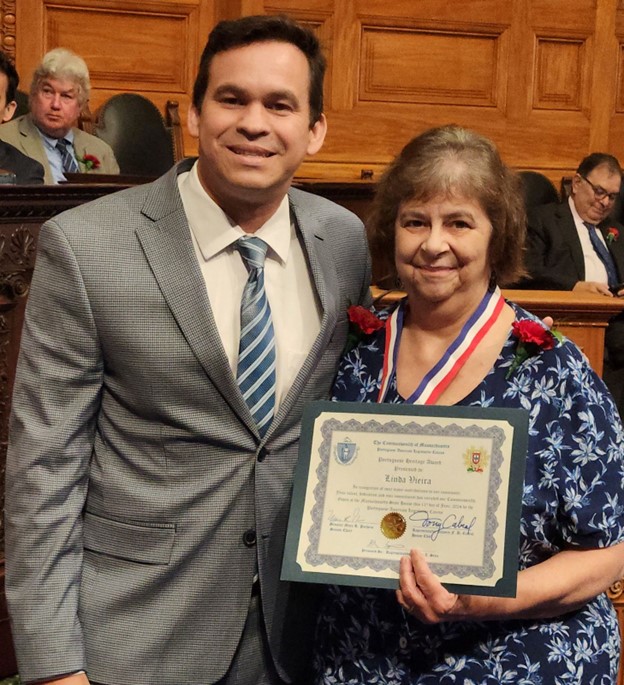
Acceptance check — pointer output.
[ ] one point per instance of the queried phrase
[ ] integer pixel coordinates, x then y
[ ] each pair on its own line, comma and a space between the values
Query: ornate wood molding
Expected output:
7, 27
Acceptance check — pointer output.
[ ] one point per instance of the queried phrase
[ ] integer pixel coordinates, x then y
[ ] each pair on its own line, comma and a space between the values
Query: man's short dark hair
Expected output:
7, 67
235, 33
596, 159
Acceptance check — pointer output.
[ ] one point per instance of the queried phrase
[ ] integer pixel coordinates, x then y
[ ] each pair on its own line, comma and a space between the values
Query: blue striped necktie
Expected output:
603, 253
70, 165
255, 374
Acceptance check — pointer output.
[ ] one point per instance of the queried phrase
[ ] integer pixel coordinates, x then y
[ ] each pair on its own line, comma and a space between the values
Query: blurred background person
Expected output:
20, 168
48, 133
577, 245
449, 226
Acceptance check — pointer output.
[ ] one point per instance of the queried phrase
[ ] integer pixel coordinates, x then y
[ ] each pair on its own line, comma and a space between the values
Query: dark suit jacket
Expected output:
554, 260
141, 499
27, 170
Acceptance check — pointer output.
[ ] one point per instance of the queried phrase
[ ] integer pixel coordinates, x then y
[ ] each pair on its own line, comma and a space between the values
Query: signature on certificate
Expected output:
435, 525
352, 517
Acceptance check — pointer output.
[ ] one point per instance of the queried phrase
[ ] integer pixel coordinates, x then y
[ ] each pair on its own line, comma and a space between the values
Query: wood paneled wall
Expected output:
543, 78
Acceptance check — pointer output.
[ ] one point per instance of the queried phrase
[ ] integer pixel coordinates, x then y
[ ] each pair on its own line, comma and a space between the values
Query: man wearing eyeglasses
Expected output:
577, 245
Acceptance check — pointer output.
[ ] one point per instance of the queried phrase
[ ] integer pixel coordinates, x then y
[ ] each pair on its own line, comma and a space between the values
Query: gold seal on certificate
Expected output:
376, 480
393, 525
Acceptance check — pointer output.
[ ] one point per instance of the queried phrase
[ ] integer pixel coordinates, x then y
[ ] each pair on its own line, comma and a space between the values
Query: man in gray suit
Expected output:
146, 508
48, 133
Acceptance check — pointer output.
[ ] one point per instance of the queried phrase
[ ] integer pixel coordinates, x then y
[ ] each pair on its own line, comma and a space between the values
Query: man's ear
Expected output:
9, 111
192, 121
576, 180
317, 135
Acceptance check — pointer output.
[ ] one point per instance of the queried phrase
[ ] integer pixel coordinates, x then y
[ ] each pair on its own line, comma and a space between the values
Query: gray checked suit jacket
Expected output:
135, 472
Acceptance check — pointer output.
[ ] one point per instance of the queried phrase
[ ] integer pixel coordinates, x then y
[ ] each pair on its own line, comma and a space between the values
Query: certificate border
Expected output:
517, 418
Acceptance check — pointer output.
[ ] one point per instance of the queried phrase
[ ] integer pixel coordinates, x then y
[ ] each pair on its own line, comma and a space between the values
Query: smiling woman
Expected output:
449, 221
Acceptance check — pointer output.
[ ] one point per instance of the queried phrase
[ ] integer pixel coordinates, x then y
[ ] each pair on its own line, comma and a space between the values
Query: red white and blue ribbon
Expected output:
449, 365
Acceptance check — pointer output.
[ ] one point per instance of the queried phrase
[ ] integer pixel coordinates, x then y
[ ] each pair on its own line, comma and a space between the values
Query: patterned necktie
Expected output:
256, 353
602, 252
70, 165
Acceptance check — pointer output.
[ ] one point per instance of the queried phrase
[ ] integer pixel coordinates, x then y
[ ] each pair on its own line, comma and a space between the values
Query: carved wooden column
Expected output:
17, 258
7, 26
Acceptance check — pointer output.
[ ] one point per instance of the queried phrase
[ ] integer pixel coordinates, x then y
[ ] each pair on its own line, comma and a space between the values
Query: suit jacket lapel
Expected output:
168, 248
80, 144
616, 247
32, 145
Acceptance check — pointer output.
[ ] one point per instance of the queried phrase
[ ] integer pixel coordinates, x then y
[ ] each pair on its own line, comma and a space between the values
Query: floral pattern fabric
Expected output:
573, 497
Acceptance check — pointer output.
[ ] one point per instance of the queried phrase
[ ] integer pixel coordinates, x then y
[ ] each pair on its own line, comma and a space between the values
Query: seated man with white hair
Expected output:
59, 90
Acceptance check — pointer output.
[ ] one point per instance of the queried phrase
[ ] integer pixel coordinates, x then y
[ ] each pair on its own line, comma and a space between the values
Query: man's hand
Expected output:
592, 287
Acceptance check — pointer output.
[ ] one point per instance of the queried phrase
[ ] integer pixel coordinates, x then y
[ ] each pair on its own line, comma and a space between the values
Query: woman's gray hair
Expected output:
64, 64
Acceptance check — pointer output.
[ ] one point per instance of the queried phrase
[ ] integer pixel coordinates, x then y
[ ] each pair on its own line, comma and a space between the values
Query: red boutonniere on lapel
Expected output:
532, 339
362, 322
612, 235
90, 162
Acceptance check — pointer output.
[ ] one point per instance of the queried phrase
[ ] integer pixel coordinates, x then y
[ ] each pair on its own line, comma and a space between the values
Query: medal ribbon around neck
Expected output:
457, 354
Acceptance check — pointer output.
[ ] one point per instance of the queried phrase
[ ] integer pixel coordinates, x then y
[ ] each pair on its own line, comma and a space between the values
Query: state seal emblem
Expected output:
346, 452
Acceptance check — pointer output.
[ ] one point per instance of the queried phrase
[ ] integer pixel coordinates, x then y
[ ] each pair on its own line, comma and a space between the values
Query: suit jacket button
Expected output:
263, 454
249, 538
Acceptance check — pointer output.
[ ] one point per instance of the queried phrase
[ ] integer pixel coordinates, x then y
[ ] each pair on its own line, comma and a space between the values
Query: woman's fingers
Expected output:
420, 591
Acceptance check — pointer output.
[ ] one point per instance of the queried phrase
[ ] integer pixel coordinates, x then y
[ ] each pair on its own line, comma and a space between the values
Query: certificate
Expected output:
376, 480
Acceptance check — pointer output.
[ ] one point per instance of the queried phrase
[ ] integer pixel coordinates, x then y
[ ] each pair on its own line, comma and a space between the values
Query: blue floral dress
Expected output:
573, 497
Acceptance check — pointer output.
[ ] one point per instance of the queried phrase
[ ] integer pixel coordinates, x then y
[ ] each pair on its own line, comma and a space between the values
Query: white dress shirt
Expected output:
595, 270
295, 307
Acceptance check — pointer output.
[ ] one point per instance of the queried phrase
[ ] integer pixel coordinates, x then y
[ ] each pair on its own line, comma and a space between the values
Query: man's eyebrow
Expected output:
229, 88
283, 95
233, 89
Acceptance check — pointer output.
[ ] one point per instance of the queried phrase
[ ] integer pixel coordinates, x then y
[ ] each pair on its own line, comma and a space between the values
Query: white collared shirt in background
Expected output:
295, 308
595, 270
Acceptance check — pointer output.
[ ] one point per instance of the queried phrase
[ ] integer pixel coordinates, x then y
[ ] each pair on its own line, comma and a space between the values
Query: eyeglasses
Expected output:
599, 192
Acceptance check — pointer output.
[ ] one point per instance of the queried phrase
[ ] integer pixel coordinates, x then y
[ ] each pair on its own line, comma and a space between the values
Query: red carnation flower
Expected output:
364, 319
528, 331
532, 339
362, 322
612, 234
90, 162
